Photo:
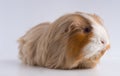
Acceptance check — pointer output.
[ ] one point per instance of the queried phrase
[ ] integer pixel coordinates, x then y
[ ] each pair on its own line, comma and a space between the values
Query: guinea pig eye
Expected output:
87, 30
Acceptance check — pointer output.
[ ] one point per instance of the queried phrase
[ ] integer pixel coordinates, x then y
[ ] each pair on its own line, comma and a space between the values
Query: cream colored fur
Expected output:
46, 44
43, 45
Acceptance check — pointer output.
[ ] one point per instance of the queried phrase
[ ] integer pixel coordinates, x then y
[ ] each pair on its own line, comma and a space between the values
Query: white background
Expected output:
17, 16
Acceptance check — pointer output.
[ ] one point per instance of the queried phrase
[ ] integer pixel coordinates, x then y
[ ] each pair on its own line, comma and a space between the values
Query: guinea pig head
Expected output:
87, 38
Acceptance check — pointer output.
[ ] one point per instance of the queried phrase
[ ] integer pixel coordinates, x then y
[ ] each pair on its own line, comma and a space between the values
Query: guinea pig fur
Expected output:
75, 40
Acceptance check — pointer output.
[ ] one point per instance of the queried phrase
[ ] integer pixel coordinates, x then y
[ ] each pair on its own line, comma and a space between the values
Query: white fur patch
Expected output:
95, 44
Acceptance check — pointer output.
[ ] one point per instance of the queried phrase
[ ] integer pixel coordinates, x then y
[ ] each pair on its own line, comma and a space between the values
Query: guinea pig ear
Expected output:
73, 26
98, 19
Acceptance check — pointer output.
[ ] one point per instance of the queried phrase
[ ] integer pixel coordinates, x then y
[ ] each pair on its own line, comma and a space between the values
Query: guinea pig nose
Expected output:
102, 41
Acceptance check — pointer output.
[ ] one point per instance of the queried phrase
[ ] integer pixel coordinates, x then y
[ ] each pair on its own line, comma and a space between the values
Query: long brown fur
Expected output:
58, 44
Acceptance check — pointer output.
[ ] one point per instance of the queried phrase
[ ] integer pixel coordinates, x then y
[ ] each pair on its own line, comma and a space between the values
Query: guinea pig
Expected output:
73, 41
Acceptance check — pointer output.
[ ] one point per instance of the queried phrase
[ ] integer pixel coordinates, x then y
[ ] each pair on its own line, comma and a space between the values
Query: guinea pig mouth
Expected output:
93, 49
107, 47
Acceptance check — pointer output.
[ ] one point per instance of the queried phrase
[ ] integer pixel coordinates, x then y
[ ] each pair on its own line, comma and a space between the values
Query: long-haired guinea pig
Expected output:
76, 40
